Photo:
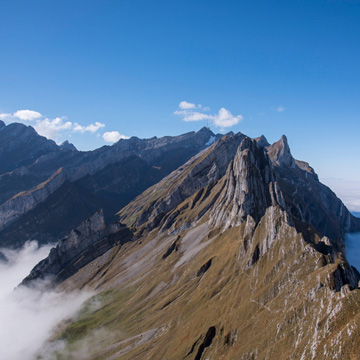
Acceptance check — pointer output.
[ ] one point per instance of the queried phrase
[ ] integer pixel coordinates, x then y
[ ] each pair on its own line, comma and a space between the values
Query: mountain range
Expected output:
199, 246
46, 190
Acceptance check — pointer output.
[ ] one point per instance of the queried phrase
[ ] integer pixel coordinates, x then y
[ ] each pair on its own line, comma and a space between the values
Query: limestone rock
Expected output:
250, 187
280, 153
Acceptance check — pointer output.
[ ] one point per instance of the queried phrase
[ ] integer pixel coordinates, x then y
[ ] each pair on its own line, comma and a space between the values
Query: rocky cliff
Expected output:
307, 198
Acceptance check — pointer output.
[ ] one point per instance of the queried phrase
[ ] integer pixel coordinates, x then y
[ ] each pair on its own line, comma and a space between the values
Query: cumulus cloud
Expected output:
196, 116
113, 136
27, 115
91, 128
223, 119
192, 115
29, 316
186, 105
4, 116
50, 128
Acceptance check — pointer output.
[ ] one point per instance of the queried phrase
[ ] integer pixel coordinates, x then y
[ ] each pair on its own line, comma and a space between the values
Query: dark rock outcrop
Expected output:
88, 241
3, 258
67, 145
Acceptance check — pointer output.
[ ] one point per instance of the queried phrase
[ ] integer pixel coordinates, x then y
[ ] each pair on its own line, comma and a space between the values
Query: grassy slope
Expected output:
274, 310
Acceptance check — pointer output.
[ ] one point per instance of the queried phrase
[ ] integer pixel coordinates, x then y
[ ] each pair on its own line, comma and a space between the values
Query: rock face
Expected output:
21, 203
249, 189
107, 178
202, 170
89, 240
280, 154
308, 199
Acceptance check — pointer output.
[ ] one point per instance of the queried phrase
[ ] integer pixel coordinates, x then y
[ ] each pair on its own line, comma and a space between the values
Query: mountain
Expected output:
67, 145
236, 254
20, 145
57, 190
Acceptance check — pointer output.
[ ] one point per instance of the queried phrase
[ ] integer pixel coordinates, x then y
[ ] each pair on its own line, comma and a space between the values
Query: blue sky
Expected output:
278, 67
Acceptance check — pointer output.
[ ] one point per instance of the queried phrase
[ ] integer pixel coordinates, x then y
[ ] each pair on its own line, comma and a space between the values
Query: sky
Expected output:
95, 71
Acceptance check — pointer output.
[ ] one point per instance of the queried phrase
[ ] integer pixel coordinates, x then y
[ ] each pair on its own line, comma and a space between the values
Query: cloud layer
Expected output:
50, 128
28, 316
222, 119
347, 191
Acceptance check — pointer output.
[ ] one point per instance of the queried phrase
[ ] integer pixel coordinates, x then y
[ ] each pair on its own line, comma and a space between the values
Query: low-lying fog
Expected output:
29, 316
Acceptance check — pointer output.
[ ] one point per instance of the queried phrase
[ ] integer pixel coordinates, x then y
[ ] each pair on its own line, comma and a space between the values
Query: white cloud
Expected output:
186, 105
222, 119
91, 128
5, 116
196, 116
280, 108
113, 136
192, 115
348, 191
27, 115
29, 316
51, 128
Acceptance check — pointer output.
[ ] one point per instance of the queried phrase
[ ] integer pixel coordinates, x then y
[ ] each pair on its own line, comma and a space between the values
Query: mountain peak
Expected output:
2, 124
205, 130
280, 153
67, 145
249, 187
262, 141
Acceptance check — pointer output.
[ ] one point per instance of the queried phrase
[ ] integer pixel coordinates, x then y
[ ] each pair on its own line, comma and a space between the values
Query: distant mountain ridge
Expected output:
58, 187
20, 145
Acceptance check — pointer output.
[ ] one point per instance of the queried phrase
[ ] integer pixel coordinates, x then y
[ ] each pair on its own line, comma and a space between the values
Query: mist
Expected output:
348, 191
29, 317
